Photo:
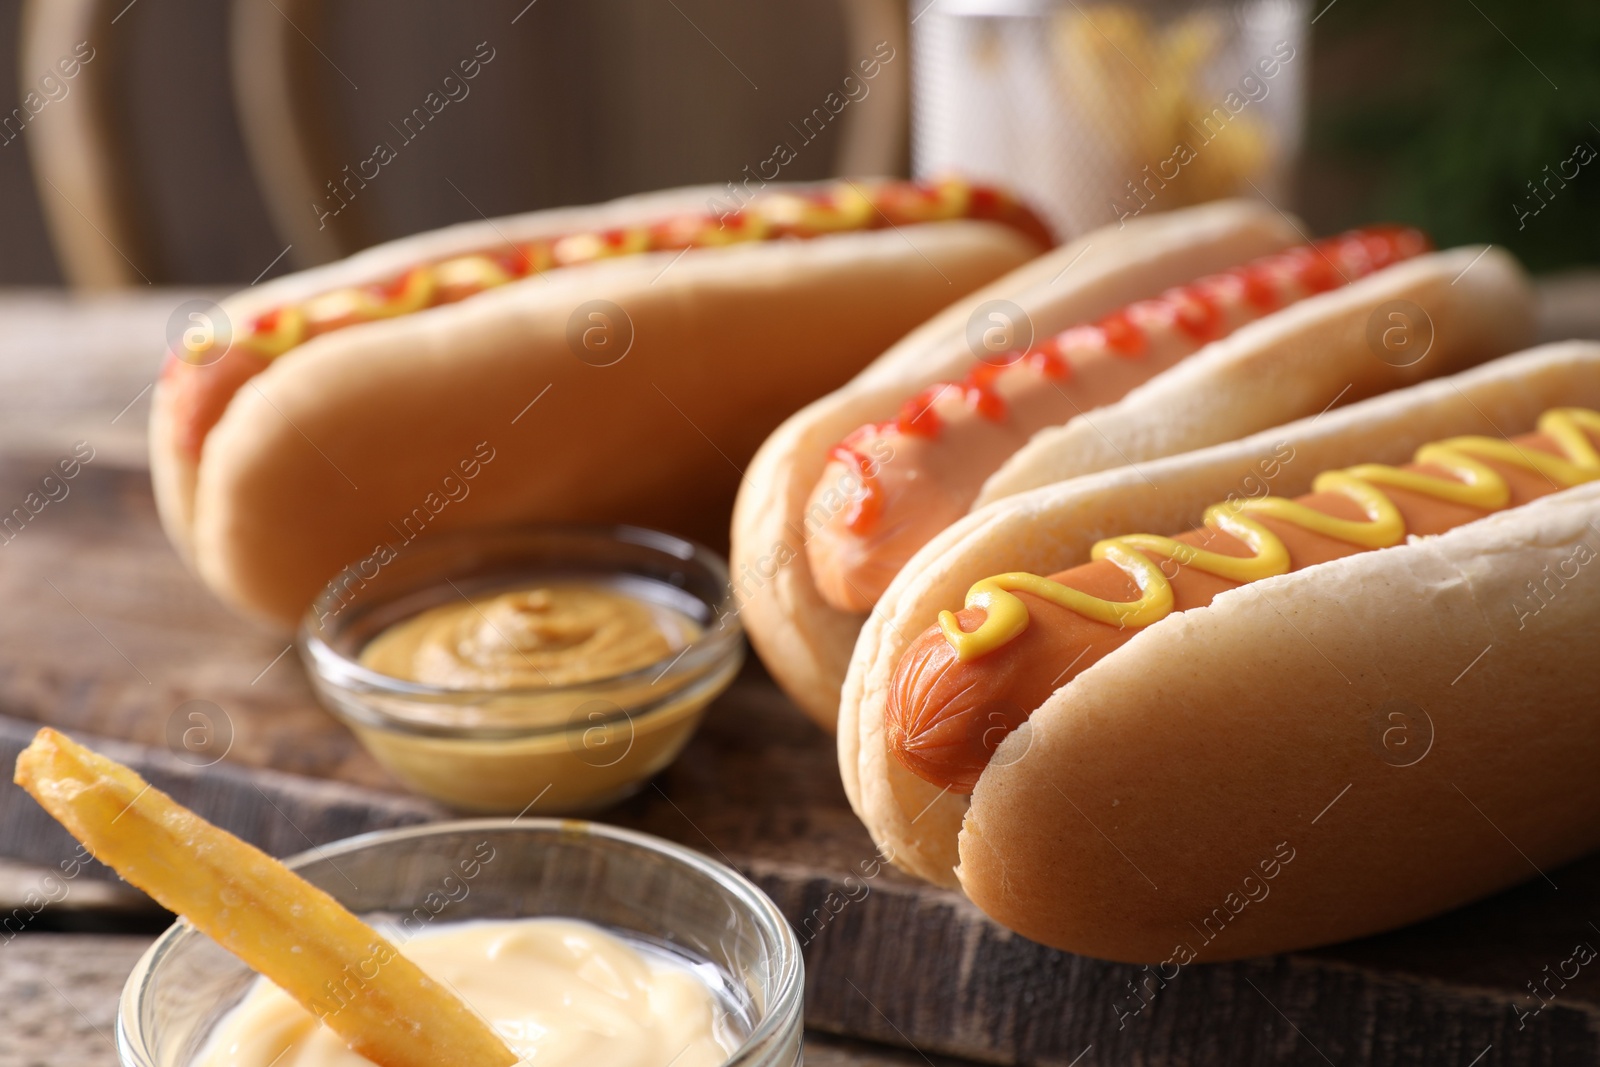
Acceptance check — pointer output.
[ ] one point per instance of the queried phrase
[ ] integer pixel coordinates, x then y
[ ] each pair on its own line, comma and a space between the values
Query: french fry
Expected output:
339, 968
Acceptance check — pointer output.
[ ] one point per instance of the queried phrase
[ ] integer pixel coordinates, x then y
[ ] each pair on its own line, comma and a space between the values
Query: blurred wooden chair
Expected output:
286, 133
78, 157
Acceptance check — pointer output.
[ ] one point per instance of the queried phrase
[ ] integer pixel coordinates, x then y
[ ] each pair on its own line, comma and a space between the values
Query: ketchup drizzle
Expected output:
1193, 309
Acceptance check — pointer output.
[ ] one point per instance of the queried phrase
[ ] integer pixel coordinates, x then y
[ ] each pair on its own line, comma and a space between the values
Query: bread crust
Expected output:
318, 460
1051, 528
804, 642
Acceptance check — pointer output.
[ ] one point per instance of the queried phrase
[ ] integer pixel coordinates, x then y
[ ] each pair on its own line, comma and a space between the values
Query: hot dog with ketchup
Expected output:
1143, 679
949, 437
346, 407
1172, 333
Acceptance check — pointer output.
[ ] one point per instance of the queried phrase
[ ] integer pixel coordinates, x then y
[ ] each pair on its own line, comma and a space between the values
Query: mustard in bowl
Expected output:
548, 669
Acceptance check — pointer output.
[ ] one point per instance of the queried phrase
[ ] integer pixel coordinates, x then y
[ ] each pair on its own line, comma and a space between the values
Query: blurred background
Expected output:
196, 142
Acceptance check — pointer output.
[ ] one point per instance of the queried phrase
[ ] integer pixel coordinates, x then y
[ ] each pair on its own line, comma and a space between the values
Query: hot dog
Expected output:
347, 394
951, 436
964, 684
1167, 335
1190, 699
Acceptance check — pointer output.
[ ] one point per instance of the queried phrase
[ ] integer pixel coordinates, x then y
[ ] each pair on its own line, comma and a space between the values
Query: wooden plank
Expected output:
107, 632
58, 997
81, 369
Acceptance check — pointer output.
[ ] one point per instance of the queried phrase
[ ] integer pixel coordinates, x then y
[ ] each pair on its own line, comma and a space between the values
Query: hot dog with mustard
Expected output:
964, 684
1127, 709
331, 411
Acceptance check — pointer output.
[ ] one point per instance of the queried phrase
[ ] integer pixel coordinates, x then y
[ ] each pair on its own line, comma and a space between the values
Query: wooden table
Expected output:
83, 645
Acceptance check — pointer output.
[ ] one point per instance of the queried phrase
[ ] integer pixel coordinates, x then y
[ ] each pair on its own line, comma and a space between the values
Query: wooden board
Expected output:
104, 633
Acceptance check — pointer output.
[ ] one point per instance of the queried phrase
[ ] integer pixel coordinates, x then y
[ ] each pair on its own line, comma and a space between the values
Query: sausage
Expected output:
946, 713
918, 473
200, 392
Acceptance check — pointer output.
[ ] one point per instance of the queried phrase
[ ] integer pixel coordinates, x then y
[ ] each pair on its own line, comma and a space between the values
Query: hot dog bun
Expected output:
321, 457
804, 642
1476, 304
1185, 758
174, 473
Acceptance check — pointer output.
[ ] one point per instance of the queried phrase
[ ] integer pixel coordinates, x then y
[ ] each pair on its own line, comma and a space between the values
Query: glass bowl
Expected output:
551, 749
640, 887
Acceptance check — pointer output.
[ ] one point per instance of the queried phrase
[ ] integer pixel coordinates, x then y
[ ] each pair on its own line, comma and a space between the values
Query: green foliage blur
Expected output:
1451, 108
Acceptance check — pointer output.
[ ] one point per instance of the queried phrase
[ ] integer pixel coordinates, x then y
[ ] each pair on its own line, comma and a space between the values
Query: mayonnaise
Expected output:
558, 991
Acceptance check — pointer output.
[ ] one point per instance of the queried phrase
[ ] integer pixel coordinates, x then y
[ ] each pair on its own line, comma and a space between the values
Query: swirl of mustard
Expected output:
1472, 483
550, 635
